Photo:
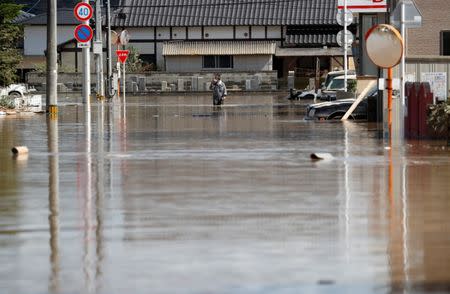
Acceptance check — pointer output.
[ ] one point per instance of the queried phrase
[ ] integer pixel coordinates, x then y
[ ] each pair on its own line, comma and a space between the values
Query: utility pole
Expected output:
345, 47
52, 64
108, 45
99, 57
86, 70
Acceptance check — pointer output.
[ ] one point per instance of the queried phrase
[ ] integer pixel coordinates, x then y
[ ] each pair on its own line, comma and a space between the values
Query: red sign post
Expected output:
122, 55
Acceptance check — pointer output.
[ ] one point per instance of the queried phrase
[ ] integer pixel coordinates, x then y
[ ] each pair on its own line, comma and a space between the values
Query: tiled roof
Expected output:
22, 17
324, 39
150, 13
65, 17
219, 48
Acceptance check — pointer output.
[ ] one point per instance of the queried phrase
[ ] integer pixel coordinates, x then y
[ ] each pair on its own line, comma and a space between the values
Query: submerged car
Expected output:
333, 74
301, 94
16, 91
338, 108
336, 84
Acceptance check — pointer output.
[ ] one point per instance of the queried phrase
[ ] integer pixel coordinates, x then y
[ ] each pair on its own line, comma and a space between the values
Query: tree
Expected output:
10, 34
135, 64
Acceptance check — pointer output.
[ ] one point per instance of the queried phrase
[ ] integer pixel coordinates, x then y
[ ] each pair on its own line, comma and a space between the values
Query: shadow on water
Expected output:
173, 195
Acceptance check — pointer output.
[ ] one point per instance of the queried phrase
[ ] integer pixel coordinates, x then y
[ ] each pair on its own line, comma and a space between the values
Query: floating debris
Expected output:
322, 156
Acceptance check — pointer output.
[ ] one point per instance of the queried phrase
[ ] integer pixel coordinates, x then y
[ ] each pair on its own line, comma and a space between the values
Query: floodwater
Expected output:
168, 195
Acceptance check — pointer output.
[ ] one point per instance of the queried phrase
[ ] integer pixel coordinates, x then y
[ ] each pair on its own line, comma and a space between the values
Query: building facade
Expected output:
298, 32
212, 35
433, 38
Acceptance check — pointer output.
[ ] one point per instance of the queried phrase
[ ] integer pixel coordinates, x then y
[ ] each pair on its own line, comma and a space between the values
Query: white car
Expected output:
335, 85
15, 91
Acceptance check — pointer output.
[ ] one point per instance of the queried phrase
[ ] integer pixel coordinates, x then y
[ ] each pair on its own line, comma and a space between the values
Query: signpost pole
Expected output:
124, 89
109, 50
401, 125
99, 57
345, 46
52, 66
86, 70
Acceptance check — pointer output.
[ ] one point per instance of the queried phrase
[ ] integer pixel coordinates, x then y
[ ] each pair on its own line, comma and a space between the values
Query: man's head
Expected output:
217, 76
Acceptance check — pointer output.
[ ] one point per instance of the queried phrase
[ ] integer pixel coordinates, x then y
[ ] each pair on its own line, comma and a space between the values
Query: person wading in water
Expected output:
219, 90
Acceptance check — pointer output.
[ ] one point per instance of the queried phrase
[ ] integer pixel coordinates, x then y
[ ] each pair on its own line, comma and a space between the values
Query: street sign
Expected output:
98, 48
122, 55
364, 6
412, 18
384, 45
83, 11
114, 38
83, 33
340, 38
124, 38
344, 19
438, 84
84, 45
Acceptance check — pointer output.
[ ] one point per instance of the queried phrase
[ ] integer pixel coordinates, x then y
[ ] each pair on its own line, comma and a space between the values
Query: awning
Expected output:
298, 52
219, 48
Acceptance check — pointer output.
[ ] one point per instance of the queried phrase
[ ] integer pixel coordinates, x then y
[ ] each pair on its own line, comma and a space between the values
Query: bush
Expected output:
439, 117
7, 102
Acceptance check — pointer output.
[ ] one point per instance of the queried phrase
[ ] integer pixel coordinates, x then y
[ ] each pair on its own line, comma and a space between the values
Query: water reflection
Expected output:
53, 149
176, 196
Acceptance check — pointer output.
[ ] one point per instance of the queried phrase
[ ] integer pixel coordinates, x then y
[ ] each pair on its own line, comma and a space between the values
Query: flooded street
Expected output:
168, 195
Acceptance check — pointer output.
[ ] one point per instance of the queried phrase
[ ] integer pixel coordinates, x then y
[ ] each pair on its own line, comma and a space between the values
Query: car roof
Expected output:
340, 72
350, 77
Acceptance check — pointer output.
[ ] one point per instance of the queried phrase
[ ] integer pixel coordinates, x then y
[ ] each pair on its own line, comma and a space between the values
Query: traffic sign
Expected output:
83, 33
83, 45
83, 11
364, 6
412, 17
340, 38
124, 38
344, 18
122, 55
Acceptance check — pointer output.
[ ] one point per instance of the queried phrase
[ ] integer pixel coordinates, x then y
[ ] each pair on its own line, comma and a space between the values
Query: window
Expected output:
220, 61
445, 43
148, 58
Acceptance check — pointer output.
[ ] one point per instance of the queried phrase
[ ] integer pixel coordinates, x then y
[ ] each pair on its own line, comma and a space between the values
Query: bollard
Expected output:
180, 86
163, 86
322, 156
248, 85
17, 150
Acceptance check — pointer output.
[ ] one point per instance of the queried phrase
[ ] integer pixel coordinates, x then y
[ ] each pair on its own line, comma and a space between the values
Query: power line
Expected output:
233, 2
34, 5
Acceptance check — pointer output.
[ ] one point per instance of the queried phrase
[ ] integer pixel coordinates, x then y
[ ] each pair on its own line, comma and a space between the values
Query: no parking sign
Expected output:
83, 33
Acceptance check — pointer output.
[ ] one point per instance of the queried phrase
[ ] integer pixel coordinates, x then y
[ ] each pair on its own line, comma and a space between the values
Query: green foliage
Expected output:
42, 68
439, 117
7, 102
352, 86
9, 36
135, 64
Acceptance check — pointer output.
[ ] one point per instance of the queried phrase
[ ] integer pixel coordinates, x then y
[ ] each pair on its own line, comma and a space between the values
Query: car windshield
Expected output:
336, 84
330, 78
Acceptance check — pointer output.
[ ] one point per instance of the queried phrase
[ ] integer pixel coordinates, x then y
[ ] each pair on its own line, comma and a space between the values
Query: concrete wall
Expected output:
195, 33
241, 63
268, 80
415, 66
427, 40
218, 33
35, 38
184, 63
253, 63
